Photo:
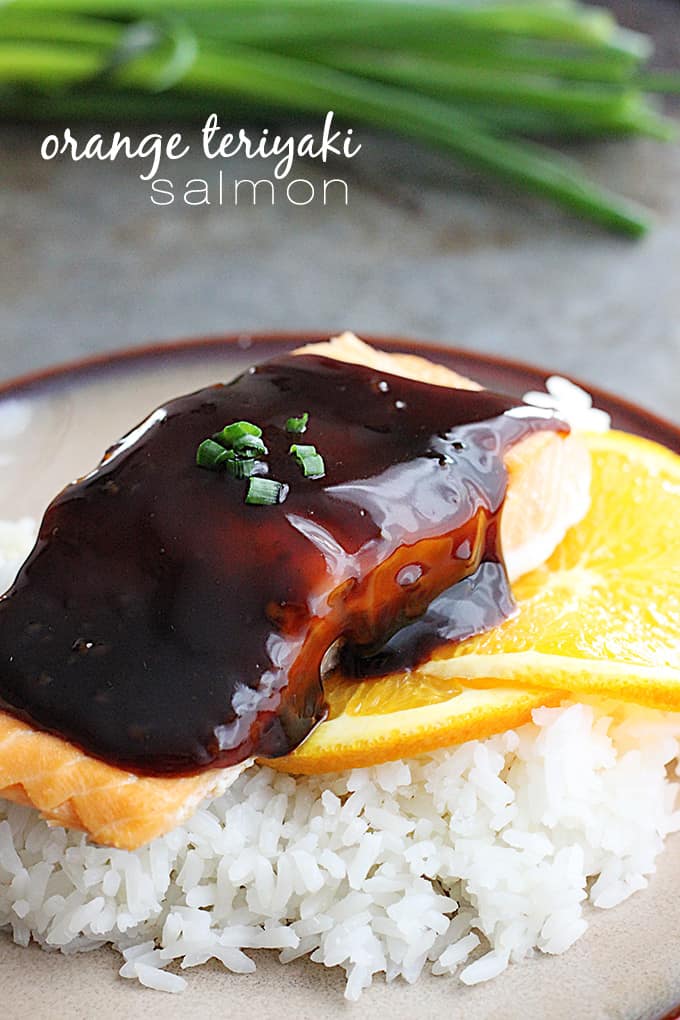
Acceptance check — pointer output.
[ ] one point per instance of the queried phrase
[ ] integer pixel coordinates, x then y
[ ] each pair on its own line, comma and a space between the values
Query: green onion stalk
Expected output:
494, 83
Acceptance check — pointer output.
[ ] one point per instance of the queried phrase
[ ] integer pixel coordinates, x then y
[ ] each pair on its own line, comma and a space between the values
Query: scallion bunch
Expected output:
483, 80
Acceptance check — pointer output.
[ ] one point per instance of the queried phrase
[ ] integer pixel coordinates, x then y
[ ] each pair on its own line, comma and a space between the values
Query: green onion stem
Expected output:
471, 78
16, 26
570, 63
120, 104
138, 107
539, 20
543, 125
659, 81
49, 66
610, 108
470, 52
594, 62
491, 85
401, 29
288, 83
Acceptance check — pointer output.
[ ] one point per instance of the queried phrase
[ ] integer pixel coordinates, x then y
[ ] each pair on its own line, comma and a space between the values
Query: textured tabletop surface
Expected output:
423, 250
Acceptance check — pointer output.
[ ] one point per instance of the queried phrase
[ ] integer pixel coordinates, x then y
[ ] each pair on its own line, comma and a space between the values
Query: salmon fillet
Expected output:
548, 474
548, 492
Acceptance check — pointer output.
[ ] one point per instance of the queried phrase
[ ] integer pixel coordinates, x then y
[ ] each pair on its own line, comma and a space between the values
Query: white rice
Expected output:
460, 861
574, 404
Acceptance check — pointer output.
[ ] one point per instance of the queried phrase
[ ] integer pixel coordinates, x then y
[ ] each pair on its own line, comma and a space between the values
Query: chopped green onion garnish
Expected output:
237, 430
313, 466
243, 468
249, 446
211, 455
310, 461
300, 451
297, 424
265, 492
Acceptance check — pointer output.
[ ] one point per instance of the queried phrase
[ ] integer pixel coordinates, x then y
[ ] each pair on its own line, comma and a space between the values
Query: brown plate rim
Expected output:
649, 423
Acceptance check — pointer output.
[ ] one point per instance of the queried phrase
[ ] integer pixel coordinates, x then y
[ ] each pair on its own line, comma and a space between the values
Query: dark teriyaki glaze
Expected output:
165, 626
473, 605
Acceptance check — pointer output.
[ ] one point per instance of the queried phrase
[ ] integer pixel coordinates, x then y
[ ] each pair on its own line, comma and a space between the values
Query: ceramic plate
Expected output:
626, 967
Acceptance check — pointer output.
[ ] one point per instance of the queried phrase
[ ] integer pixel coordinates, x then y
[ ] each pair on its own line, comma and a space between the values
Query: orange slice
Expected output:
601, 617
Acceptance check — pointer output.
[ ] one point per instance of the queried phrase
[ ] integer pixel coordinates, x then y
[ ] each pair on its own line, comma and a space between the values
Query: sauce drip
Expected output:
165, 626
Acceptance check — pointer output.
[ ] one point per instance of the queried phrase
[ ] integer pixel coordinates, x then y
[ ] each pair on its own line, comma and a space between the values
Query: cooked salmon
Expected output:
548, 474
548, 486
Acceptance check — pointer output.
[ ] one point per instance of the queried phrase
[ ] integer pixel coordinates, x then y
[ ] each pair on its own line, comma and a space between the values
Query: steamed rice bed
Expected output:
463, 860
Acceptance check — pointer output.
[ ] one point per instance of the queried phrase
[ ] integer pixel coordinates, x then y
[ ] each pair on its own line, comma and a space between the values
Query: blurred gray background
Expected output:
423, 250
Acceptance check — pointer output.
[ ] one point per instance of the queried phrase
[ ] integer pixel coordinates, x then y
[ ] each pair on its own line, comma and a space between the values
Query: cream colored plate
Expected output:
626, 967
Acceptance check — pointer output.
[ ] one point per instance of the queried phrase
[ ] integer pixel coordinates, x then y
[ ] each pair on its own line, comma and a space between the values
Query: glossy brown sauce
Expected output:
165, 626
